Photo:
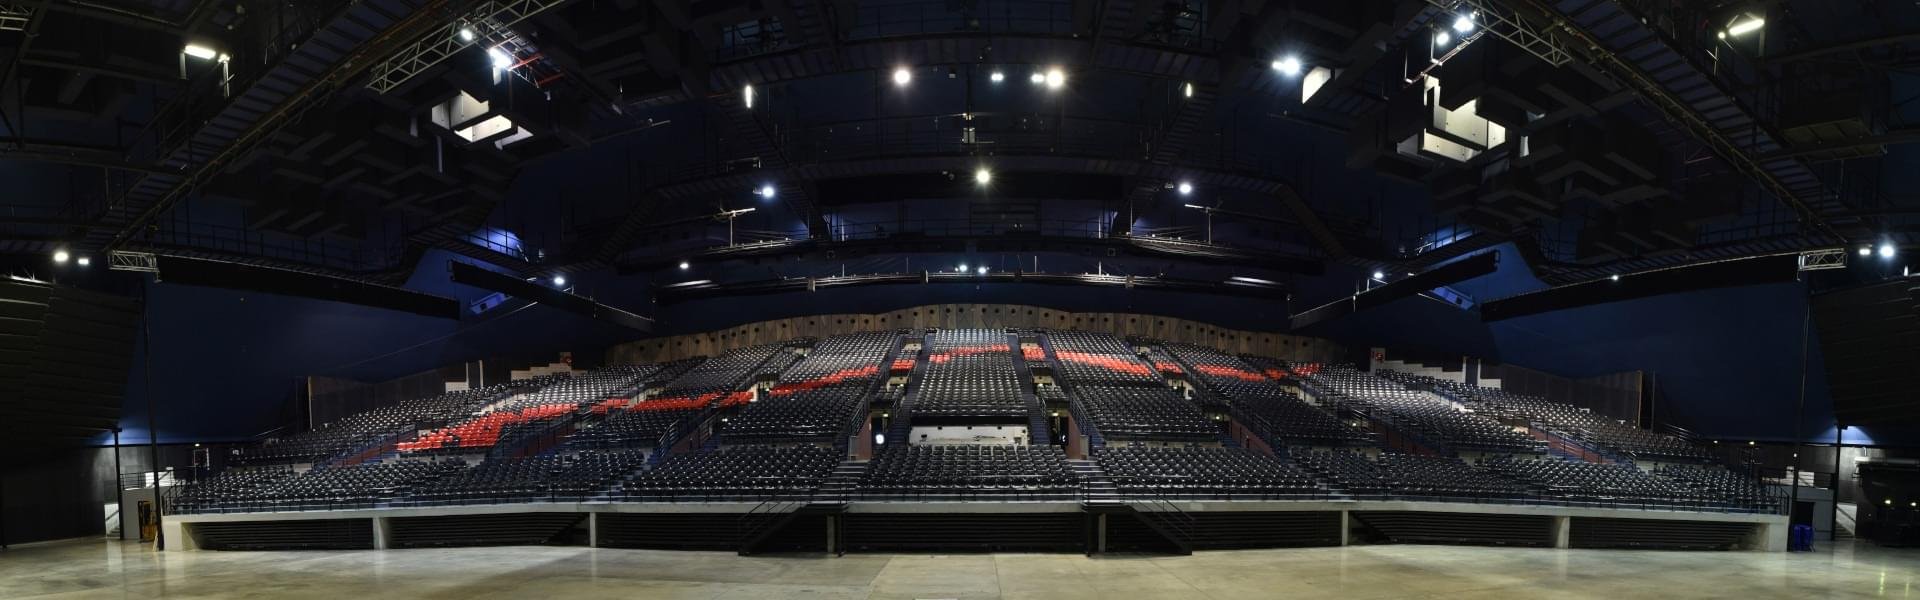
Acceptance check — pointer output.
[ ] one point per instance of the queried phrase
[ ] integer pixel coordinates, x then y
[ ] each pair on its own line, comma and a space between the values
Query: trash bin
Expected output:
1800, 539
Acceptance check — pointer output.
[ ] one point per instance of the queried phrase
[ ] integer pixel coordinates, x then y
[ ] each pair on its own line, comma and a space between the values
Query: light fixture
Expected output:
902, 76
1037, 78
1887, 250
1615, 277
1379, 275
1288, 66
199, 51
767, 191
1463, 24
1187, 89
997, 77
982, 176
466, 34
1750, 25
879, 439
684, 265
1441, 38
746, 94
84, 261
1185, 188
982, 271
559, 280
961, 269
501, 60
60, 256
1056, 78
1889, 502
1866, 250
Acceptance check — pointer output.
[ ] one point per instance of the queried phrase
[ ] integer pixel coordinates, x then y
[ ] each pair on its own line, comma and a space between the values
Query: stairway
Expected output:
1096, 488
841, 485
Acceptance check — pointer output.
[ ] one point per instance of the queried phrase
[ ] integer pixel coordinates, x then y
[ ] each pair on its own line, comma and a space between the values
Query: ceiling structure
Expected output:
550, 137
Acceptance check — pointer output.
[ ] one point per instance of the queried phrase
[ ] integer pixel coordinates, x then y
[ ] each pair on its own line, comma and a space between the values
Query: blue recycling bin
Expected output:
1800, 538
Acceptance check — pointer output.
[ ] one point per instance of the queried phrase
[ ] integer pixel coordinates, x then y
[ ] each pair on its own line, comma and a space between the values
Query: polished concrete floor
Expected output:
95, 569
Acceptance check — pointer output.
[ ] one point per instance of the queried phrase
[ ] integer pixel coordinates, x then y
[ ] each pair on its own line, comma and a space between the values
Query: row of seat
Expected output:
1207, 472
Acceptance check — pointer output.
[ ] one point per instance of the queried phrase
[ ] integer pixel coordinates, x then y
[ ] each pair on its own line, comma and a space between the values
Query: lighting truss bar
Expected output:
138, 262
490, 21
1507, 25
14, 17
1824, 259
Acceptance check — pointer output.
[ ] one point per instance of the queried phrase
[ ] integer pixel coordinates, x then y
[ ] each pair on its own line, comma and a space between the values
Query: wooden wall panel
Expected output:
984, 316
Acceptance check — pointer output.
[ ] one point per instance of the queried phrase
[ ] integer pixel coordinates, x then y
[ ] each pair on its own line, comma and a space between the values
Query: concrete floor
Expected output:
95, 569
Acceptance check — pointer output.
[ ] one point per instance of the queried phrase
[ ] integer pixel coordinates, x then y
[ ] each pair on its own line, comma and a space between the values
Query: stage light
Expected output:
684, 265
1441, 39
1037, 78
1289, 65
84, 261
501, 60
1379, 275
1750, 25
746, 94
1187, 89
997, 77
60, 256
1866, 250
559, 280
466, 34
200, 52
982, 271
879, 439
1887, 250
1056, 78
1615, 277
982, 176
961, 269
767, 191
902, 76
1463, 24
1185, 188
1889, 502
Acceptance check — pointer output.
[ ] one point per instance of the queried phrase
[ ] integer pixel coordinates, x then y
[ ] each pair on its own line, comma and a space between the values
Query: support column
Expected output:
382, 533
833, 542
1562, 532
593, 530
1100, 534
1346, 528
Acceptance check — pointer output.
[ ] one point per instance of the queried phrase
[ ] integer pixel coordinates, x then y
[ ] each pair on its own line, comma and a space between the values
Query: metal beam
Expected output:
1507, 25
14, 17
1847, 46
488, 22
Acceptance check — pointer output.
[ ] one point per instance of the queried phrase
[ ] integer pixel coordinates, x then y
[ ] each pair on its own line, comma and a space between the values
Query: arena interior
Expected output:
959, 298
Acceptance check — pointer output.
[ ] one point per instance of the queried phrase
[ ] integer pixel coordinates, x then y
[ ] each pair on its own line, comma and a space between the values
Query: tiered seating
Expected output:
1205, 472
207, 496
969, 375
554, 401
642, 423
1574, 422
749, 472
1263, 405
1406, 475
1734, 489
723, 373
1349, 470
1420, 414
361, 485
522, 479
1099, 358
1143, 413
1610, 483
816, 398
366, 428
1025, 472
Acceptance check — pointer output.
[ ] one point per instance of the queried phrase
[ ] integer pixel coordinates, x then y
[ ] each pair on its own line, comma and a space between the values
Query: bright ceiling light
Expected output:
1616, 277
746, 94
1750, 25
1379, 275
1037, 78
1289, 65
1185, 188
84, 261
199, 51
1056, 78
559, 280
1887, 250
902, 76
962, 269
684, 265
982, 176
983, 270
466, 34
501, 60
60, 256
1866, 250
997, 77
1187, 89
767, 191
1441, 39
1463, 24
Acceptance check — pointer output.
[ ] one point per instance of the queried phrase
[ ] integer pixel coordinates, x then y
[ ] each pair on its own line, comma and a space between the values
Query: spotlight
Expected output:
1866, 250
501, 60
1037, 78
902, 76
961, 269
982, 271
466, 34
767, 191
1750, 25
879, 439
1441, 39
1187, 89
84, 261
982, 176
199, 51
559, 280
1056, 78
746, 94
1463, 24
1379, 275
1615, 277
1288, 66
60, 256
997, 77
684, 265
1887, 250
1185, 188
